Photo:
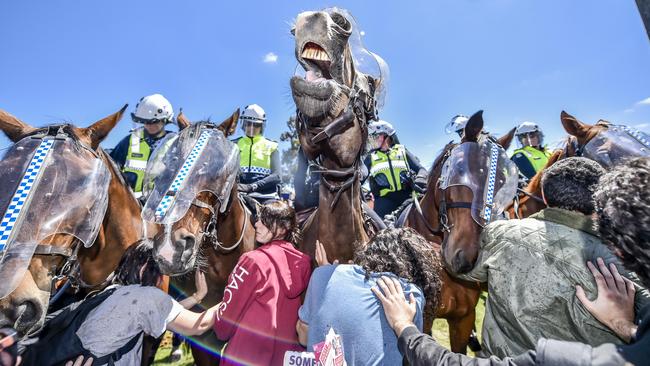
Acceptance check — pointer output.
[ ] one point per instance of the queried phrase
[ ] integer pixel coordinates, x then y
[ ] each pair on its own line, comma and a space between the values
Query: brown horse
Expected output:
334, 104
454, 233
120, 225
207, 236
529, 200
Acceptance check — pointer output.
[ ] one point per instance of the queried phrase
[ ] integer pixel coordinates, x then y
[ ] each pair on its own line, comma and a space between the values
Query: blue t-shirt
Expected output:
340, 297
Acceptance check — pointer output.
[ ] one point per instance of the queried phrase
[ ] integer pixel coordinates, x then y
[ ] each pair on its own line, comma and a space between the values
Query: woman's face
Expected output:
263, 234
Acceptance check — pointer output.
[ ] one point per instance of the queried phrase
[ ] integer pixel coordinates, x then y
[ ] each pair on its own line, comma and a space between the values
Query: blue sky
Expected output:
516, 59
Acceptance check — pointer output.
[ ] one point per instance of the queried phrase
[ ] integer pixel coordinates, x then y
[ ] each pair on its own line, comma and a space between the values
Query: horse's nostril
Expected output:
28, 314
460, 264
187, 240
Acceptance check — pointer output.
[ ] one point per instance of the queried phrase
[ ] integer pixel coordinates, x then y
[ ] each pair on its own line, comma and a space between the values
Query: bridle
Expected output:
444, 226
70, 268
210, 232
361, 106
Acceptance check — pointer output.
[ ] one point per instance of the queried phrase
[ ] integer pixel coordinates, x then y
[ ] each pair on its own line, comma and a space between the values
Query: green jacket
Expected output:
531, 267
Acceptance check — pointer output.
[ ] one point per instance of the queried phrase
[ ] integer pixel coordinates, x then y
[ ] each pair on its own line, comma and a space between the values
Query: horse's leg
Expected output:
203, 357
460, 330
149, 347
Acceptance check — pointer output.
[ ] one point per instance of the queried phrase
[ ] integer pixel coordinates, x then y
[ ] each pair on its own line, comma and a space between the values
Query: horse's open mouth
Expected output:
318, 62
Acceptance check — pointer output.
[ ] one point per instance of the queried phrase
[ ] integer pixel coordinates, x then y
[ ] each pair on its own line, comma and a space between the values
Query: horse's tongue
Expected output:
313, 77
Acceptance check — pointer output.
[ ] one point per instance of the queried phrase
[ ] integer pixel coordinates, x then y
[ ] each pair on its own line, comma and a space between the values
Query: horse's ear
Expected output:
100, 129
229, 126
573, 126
14, 128
182, 121
474, 127
506, 139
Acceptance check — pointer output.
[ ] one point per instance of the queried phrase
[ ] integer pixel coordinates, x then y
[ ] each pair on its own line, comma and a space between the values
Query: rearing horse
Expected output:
195, 215
70, 206
334, 104
444, 216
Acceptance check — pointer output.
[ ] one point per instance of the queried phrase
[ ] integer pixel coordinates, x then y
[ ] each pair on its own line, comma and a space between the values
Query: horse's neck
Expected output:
122, 227
234, 220
342, 224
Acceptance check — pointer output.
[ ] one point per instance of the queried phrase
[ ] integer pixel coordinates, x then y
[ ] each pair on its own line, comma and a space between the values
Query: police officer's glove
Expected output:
420, 185
246, 188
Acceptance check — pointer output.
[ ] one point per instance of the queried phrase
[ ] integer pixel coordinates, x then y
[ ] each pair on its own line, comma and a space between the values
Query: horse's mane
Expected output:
434, 173
67, 128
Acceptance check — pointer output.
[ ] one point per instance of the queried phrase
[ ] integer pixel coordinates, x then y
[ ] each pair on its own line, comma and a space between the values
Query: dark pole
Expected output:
644, 9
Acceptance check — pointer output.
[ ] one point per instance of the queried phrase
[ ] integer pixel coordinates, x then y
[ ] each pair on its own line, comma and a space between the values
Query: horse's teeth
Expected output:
314, 53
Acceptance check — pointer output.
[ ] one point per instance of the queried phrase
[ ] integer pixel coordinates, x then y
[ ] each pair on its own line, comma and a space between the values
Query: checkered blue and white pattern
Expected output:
19, 198
489, 197
182, 174
255, 169
637, 135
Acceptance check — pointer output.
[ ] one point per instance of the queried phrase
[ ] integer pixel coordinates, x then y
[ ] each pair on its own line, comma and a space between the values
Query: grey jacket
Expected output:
531, 267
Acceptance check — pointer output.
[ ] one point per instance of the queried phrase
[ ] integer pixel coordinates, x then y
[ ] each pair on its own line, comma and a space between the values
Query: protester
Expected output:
531, 267
112, 328
340, 296
258, 314
623, 201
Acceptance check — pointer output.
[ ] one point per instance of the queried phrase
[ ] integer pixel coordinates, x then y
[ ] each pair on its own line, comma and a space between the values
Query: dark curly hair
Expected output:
279, 214
138, 266
623, 202
570, 184
406, 254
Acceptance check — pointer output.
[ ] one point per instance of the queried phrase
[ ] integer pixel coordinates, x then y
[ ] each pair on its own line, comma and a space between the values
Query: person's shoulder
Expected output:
518, 154
501, 231
324, 273
274, 144
140, 291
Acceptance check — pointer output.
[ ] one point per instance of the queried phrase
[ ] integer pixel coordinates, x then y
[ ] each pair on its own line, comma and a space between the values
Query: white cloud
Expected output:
270, 58
629, 110
646, 101
363, 33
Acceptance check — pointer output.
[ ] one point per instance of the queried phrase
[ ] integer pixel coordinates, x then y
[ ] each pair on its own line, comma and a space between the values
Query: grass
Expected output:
440, 330
162, 356
440, 333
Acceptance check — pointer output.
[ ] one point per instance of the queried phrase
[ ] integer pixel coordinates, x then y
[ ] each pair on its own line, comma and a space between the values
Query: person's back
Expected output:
533, 265
260, 307
112, 324
532, 282
340, 297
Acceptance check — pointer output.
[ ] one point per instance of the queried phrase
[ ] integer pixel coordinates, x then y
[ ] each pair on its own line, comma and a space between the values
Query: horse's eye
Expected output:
293, 31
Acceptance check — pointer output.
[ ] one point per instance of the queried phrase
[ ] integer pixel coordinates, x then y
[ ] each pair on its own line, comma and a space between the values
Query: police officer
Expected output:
133, 152
393, 170
532, 156
457, 124
260, 160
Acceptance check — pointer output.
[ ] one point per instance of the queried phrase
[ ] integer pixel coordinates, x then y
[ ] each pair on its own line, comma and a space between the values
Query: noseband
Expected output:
210, 233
